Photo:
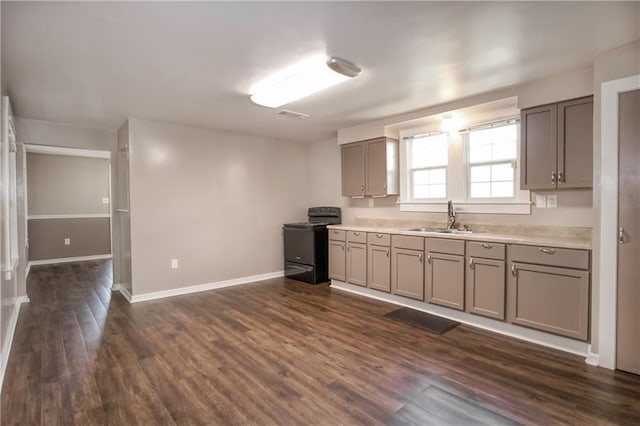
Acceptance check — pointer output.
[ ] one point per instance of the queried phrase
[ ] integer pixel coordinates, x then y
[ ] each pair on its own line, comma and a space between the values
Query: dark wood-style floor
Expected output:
279, 352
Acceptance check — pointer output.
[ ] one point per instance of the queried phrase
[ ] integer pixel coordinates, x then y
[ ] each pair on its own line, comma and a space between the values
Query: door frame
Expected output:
608, 223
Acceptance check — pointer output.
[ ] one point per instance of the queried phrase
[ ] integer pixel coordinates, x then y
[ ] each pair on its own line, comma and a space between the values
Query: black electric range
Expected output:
306, 245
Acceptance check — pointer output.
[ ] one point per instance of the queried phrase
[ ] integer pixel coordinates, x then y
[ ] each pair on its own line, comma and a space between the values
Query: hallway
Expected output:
279, 352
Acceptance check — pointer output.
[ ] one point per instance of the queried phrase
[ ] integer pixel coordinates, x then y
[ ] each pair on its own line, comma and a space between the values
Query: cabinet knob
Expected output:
621, 235
560, 177
471, 263
387, 252
514, 271
361, 188
348, 246
553, 177
429, 258
420, 257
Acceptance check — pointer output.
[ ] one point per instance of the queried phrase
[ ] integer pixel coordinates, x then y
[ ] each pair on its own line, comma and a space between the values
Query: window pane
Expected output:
420, 191
438, 176
438, 191
480, 190
502, 189
495, 144
502, 172
480, 173
421, 177
429, 151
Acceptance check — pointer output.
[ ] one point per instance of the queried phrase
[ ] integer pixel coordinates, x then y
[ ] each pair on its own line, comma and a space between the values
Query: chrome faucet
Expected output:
451, 215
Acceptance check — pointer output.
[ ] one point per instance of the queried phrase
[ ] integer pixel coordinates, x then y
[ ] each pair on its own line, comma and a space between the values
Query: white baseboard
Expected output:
123, 290
592, 358
11, 329
549, 340
201, 287
66, 260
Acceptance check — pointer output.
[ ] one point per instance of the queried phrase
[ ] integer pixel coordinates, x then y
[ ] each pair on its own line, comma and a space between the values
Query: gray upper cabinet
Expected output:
557, 145
353, 169
370, 168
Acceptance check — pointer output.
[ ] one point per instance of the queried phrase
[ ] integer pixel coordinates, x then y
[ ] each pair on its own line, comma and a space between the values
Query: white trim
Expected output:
549, 340
68, 216
608, 252
8, 343
27, 270
69, 152
592, 358
204, 287
67, 260
510, 207
123, 290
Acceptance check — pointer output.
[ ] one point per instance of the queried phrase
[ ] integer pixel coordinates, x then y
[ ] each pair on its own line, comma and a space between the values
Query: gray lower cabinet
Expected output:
407, 273
550, 299
444, 280
485, 287
379, 268
337, 260
357, 263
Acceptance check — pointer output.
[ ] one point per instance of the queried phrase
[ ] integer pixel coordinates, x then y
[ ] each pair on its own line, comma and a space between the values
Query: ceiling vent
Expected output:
293, 114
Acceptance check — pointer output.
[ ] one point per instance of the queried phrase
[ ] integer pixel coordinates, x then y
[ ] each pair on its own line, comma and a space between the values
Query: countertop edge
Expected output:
560, 242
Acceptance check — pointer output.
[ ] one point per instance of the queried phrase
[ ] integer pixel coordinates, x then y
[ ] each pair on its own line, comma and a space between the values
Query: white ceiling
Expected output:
195, 63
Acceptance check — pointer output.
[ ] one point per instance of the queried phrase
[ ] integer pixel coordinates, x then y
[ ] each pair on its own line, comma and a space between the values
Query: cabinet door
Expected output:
379, 268
538, 147
376, 155
353, 169
485, 287
549, 299
575, 143
337, 260
407, 273
357, 263
444, 280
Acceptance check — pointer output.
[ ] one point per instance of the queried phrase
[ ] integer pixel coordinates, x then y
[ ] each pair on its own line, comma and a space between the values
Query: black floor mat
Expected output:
422, 320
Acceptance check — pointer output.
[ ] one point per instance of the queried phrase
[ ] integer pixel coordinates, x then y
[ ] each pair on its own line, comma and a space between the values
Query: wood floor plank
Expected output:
279, 352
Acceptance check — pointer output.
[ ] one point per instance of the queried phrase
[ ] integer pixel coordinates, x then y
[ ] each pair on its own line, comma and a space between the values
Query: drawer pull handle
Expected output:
471, 263
348, 246
514, 271
553, 177
379, 235
560, 177
356, 233
487, 246
342, 246
547, 250
387, 252
420, 257
429, 258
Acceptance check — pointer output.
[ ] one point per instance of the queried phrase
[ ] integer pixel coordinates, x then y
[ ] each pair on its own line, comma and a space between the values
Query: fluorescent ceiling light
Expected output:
302, 80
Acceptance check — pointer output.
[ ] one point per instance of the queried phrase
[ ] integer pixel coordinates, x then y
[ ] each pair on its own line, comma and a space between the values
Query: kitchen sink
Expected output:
438, 230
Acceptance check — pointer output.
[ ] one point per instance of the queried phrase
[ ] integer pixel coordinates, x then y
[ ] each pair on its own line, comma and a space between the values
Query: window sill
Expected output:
482, 207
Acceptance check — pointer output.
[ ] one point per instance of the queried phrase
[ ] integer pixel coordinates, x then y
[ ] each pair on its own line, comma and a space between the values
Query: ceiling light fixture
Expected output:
450, 124
302, 80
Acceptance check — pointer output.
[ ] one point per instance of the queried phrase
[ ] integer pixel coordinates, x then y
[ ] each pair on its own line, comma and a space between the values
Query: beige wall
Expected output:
88, 236
215, 201
59, 184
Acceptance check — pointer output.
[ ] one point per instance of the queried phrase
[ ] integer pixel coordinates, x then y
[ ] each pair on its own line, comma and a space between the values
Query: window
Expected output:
492, 154
428, 159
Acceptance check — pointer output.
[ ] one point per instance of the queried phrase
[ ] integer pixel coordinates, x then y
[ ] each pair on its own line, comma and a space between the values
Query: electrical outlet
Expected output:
541, 201
67, 241
105, 200
552, 201
174, 263
370, 202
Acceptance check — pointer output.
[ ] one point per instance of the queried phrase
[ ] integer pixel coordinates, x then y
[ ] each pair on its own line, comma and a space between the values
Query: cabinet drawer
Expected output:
485, 250
337, 235
357, 237
407, 242
443, 245
379, 239
542, 255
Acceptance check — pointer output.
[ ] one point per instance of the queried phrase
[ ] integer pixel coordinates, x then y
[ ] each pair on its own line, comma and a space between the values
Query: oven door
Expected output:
299, 245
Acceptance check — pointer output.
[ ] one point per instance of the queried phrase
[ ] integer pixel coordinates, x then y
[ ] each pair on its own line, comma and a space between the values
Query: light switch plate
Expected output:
541, 201
174, 263
105, 200
552, 201
67, 241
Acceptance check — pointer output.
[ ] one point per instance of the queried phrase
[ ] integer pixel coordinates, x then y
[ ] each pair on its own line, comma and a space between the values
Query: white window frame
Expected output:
514, 164
457, 181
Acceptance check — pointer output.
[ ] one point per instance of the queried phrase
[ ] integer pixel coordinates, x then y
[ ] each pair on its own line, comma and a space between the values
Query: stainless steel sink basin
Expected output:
438, 230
